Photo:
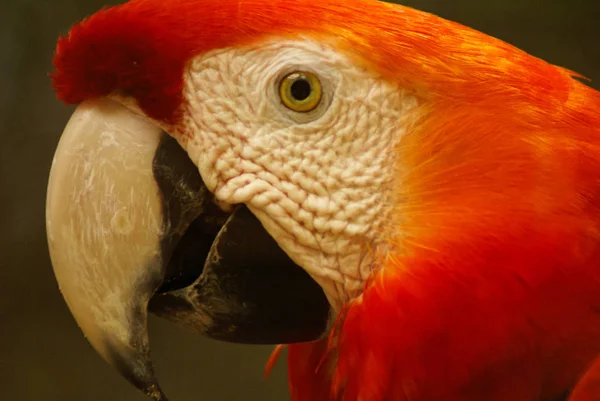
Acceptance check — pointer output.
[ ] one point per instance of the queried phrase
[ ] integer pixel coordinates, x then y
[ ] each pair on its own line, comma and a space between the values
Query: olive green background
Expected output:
43, 355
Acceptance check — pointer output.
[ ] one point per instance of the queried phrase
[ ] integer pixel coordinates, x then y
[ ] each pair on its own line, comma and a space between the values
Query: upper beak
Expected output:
131, 225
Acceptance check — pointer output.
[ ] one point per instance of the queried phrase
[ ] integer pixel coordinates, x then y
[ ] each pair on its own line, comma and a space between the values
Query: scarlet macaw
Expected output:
439, 190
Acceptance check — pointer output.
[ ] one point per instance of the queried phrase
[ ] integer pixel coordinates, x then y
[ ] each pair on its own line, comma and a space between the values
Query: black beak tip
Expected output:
136, 367
155, 393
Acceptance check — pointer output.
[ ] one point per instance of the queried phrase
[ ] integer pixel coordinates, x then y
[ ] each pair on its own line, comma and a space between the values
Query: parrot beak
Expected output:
131, 227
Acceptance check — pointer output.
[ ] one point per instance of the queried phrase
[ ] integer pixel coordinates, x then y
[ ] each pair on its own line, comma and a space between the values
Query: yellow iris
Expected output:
300, 91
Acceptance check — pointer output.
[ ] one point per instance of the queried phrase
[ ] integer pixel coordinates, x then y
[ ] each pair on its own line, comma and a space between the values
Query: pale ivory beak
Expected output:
104, 225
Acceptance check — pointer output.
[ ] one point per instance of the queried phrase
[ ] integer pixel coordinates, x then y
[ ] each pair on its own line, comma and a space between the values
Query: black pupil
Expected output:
300, 89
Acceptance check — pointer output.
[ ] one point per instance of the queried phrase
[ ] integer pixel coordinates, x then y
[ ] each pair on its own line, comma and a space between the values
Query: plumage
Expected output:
490, 286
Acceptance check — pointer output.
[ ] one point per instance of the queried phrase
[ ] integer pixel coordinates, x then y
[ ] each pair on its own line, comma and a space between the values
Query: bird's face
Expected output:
144, 210
243, 167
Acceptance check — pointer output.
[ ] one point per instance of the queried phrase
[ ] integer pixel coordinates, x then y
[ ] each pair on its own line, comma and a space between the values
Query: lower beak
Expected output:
131, 228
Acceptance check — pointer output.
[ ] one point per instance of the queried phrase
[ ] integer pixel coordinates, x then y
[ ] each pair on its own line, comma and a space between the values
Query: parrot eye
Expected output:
300, 91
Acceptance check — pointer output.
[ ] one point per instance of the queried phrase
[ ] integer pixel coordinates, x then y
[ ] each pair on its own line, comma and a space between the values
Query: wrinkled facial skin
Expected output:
320, 182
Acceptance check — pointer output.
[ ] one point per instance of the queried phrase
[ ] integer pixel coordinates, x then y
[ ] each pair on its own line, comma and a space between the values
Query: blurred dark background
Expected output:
43, 355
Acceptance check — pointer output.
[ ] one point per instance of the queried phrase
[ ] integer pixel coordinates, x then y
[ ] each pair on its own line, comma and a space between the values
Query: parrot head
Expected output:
245, 168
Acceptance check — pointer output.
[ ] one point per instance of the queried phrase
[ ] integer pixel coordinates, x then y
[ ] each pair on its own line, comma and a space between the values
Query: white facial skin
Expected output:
320, 182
